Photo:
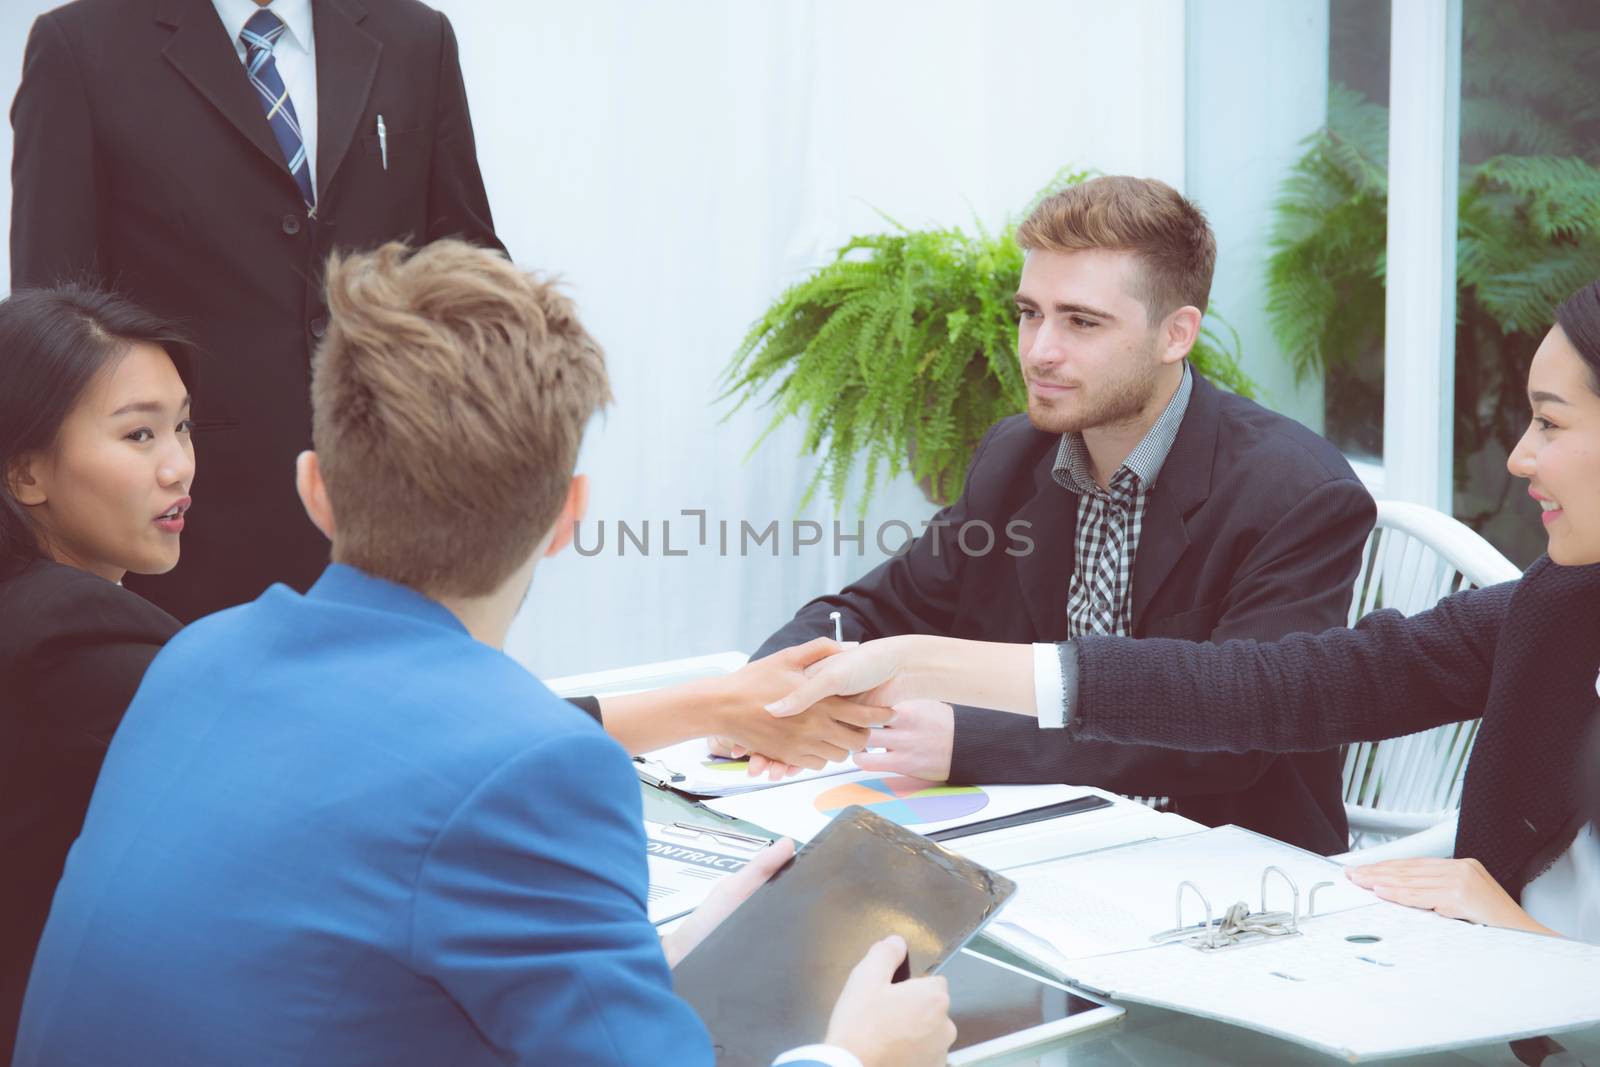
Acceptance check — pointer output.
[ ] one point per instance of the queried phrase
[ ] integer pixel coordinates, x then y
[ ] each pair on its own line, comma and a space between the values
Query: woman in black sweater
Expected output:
97, 464
1523, 655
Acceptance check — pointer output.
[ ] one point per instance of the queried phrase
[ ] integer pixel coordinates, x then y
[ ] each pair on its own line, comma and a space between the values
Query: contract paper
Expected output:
687, 862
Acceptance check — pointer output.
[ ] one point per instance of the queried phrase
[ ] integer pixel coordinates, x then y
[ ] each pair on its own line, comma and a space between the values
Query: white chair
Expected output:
1437, 841
1415, 557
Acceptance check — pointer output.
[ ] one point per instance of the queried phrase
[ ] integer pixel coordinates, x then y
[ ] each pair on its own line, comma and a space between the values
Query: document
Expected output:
686, 863
1360, 978
800, 809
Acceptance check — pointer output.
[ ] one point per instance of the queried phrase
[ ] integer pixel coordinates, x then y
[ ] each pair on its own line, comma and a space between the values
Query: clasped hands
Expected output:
827, 731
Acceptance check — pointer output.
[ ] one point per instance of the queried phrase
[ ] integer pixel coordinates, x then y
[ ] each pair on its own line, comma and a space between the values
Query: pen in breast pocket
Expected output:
383, 142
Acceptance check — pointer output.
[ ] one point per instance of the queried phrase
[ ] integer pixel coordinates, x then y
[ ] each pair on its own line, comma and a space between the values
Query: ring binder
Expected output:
1239, 925
1403, 972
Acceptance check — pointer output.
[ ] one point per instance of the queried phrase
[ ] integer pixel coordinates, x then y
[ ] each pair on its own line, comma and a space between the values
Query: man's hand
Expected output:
892, 1024
729, 893
868, 672
917, 741
1456, 889
828, 731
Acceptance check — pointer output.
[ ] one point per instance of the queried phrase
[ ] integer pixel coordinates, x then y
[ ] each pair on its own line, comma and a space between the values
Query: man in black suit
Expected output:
203, 157
1133, 498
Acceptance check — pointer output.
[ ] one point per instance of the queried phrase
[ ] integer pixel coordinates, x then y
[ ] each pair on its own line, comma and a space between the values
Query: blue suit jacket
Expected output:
336, 829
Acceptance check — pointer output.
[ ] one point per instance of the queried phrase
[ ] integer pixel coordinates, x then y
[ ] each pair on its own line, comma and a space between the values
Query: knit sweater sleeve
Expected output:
1390, 675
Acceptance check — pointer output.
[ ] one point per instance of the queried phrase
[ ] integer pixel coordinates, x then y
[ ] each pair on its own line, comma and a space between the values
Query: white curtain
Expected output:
680, 164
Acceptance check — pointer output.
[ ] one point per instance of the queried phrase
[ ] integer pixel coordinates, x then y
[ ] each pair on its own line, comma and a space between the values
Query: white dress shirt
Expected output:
1566, 897
295, 55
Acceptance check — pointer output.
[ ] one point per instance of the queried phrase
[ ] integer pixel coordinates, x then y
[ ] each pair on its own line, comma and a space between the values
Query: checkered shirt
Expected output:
1100, 596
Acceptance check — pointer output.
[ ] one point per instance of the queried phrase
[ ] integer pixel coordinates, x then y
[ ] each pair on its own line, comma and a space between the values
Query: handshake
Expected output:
818, 703
827, 731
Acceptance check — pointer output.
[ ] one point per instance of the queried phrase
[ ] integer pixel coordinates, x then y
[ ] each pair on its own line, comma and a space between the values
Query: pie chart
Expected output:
907, 801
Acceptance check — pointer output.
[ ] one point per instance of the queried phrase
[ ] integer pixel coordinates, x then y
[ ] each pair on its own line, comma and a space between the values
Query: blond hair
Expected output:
449, 398
1170, 236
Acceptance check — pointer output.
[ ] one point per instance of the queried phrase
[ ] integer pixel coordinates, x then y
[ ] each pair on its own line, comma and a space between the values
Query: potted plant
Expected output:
901, 351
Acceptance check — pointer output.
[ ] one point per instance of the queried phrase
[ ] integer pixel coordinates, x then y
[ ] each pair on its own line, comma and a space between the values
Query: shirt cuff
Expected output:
829, 1055
1049, 688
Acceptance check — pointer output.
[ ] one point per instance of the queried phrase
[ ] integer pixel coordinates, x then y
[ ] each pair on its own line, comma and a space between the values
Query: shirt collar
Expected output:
344, 584
296, 16
1073, 470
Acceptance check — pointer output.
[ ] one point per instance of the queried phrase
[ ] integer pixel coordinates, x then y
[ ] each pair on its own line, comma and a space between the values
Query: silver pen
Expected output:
838, 626
383, 142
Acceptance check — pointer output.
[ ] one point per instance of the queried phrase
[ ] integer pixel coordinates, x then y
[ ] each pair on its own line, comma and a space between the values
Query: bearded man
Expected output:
1134, 497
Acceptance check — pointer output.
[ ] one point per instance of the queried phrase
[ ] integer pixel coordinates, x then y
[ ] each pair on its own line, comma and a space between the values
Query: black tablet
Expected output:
767, 978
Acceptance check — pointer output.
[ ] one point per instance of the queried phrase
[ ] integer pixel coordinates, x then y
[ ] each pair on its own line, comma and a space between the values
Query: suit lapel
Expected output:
202, 53
1052, 518
347, 65
1184, 484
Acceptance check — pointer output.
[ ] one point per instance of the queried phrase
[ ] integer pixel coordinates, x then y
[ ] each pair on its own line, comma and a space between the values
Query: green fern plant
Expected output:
901, 351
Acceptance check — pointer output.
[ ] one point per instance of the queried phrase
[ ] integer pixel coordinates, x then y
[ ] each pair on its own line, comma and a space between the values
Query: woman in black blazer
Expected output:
1523, 655
97, 465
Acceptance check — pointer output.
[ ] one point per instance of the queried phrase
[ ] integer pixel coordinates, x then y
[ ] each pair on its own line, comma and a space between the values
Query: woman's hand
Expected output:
1456, 889
885, 672
866, 672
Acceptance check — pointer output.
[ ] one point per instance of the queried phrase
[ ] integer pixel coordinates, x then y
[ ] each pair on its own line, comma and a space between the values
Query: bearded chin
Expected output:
1127, 400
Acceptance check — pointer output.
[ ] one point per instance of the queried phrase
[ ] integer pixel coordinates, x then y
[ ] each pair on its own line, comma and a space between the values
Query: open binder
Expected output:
1237, 927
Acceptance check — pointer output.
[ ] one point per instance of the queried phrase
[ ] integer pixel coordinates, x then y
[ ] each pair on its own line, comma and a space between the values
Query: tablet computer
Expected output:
766, 979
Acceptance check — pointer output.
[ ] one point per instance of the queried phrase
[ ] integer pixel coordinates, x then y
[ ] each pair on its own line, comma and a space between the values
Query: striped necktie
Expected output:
259, 35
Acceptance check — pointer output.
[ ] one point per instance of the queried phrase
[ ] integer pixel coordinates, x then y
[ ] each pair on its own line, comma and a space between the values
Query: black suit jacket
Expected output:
73, 648
1254, 529
143, 161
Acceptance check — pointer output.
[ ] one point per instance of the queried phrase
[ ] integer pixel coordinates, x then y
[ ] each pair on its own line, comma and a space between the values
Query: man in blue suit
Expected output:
343, 827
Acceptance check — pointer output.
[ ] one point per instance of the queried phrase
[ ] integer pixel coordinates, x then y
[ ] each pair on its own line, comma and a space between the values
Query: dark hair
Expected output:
52, 344
1579, 318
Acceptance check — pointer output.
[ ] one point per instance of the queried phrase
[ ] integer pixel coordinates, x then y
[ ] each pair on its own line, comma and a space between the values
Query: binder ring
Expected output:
1294, 906
1210, 927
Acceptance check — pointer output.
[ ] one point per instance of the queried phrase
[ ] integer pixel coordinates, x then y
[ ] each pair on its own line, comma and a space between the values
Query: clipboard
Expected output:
686, 862
689, 769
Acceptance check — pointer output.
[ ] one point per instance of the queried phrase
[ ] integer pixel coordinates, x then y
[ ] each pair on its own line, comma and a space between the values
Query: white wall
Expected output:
683, 163
680, 164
